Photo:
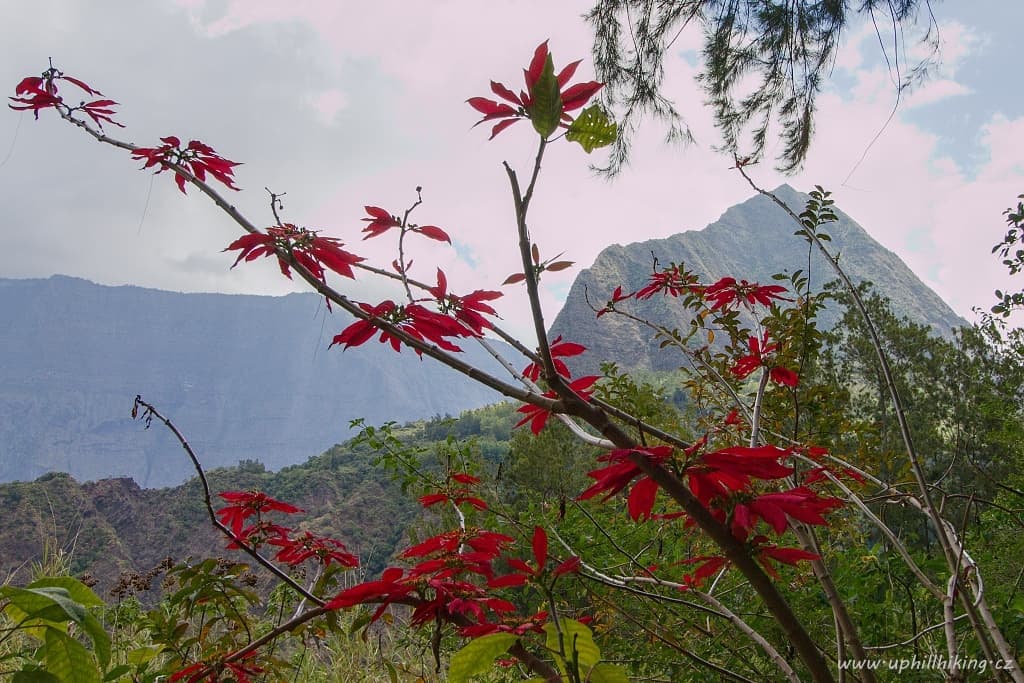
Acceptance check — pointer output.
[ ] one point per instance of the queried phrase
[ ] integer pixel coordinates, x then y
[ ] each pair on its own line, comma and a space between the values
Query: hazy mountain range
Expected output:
251, 378
244, 377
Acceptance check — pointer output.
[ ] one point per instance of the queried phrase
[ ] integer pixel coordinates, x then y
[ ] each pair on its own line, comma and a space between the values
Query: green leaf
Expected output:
546, 109
68, 659
479, 654
34, 676
392, 672
144, 654
117, 672
39, 603
607, 673
100, 639
578, 638
78, 591
360, 621
592, 129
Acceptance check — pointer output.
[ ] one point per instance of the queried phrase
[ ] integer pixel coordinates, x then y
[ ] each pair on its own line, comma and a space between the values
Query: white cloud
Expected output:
327, 104
934, 91
394, 77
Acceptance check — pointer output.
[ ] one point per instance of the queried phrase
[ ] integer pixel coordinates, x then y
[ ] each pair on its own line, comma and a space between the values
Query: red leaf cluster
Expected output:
730, 470
307, 247
800, 503
709, 566
559, 349
413, 319
617, 296
469, 309
245, 504
573, 97
674, 281
758, 356
525, 572
768, 553
197, 158
617, 476
213, 672
380, 221
294, 550
35, 93
727, 292
436, 585
457, 491
538, 416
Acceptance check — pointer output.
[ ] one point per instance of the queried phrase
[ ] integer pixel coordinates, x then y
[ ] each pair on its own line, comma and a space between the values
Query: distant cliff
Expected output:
245, 377
752, 241
106, 526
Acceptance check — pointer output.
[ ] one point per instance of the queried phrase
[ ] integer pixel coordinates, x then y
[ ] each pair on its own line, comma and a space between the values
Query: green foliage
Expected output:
478, 656
1013, 258
577, 655
50, 613
592, 129
764, 63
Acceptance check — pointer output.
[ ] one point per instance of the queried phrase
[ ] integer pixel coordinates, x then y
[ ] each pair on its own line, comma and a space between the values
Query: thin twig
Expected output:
150, 412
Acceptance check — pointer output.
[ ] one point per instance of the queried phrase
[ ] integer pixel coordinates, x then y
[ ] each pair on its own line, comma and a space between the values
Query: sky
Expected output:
346, 104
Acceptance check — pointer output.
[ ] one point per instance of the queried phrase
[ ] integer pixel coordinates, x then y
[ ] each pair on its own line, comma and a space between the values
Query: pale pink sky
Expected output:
346, 104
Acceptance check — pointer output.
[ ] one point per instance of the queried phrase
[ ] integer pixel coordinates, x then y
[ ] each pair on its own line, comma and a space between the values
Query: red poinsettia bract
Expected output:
759, 351
437, 585
196, 157
728, 291
413, 319
525, 572
296, 550
238, 671
519, 627
307, 247
730, 470
617, 296
709, 566
800, 503
767, 553
559, 349
617, 476
457, 490
469, 309
245, 504
673, 281
572, 98
538, 417
35, 93
381, 220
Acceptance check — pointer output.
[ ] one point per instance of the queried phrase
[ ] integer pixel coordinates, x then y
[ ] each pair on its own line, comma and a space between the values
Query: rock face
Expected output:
752, 241
244, 377
108, 526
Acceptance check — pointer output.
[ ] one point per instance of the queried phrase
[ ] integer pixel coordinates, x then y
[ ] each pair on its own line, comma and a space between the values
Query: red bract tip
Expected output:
35, 93
196, 158
538, 417
572, 98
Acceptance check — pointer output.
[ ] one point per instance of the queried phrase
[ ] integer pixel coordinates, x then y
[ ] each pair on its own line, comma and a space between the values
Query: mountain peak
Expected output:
752, 240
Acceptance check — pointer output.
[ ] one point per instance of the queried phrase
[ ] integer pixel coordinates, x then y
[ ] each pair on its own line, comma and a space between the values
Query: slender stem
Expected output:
743, 626
402, 230
755, 418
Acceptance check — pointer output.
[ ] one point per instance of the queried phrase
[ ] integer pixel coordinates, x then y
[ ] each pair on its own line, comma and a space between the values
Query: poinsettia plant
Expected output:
738, 499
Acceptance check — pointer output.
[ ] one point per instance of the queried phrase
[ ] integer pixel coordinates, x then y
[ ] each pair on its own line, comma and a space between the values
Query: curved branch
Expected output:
150, 412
